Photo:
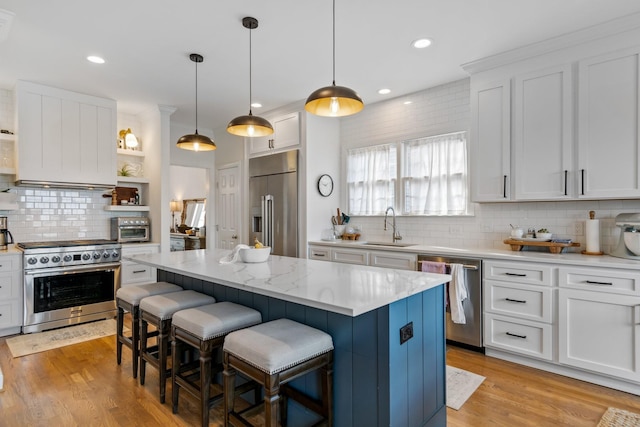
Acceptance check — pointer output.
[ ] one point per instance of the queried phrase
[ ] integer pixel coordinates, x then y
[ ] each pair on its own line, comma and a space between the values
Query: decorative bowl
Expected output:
517, 232
254, 254
544, 236
632, 241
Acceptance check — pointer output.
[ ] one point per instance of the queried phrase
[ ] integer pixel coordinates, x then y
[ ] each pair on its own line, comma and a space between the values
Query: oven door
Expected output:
56, 297
133, 233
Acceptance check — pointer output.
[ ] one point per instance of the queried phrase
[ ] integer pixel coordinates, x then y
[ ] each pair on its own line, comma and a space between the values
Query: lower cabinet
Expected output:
374, 258
600, 332
133, 273
11, 294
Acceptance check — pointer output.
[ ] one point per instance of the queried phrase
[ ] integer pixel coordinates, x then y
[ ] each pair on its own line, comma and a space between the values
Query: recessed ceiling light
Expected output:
407, 102
95, 59
384, 91
256, 105
421, 43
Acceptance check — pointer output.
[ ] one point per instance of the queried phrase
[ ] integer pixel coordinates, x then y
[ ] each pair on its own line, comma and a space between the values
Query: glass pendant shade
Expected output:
334, 101
195, 141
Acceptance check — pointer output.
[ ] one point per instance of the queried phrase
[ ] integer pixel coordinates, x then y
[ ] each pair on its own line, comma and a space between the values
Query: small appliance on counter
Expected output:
5, 235
629, 243
130, 229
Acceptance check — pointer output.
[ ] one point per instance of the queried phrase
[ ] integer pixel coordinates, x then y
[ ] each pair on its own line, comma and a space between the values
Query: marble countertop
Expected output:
341, 288
569, 258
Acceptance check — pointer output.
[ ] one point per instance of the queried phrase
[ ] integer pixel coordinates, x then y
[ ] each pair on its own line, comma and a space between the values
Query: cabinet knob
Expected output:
235, 236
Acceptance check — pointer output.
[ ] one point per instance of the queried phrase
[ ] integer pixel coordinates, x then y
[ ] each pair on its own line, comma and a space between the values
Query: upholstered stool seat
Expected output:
272, 354
128, 298
158, 310
203, 328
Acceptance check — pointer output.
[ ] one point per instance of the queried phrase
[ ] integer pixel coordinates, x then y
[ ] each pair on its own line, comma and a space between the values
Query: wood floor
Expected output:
82, 385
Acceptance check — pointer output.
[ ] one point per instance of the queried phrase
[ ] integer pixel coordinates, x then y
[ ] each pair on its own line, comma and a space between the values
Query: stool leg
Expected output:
327, 392
119, 328
229, 381
163, 350
175, 369
271, 400
205, 383
143, 348
135, 339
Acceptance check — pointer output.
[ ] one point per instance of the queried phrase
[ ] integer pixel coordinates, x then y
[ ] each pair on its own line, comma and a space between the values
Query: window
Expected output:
432, 173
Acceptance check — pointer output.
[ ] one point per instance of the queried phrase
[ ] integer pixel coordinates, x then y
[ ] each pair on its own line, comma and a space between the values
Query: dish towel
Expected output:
434, 267
233, 256
458, 292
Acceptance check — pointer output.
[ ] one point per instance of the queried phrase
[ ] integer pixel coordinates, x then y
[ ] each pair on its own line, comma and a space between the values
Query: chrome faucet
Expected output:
396, 233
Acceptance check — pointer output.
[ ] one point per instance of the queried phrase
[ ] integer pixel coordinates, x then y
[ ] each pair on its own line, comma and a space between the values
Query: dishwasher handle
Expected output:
465, 266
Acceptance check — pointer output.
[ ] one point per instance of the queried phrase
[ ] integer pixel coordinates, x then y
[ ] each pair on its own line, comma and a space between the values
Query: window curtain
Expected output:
371, 179
434, 175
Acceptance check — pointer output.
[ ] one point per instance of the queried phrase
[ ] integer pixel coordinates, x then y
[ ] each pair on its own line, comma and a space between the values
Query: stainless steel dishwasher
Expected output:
468, 335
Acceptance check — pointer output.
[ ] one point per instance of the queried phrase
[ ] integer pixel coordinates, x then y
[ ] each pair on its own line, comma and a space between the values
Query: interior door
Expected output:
228, 206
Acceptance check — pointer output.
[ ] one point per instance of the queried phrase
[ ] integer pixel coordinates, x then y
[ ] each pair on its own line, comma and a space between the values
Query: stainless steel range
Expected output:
69, 282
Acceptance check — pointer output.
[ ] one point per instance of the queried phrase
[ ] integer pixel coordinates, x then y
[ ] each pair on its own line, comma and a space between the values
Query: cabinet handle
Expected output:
318, 254
582, 181
519, 301
139, 271
524, 337
566, 172
593, 282
515, 274
504, 186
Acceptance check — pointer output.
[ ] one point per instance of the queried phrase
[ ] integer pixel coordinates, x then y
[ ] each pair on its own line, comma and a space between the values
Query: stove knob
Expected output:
67, 258
105, 255
32, 260
86, 257
96, 255
115, 254
44, 260
55, 258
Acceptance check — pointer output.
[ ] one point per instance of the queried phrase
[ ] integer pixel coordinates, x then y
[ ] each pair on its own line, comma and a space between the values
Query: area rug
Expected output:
23, 345
615, 417
460, 386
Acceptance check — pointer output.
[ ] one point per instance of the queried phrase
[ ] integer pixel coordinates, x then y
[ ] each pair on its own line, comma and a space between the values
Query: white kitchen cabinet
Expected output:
397, 260
7, 154
608, 118
133, 273
491, 141
65, 136
286, 135
600, 332
350, 256
533, 339
11, 294
543, 134
363, 256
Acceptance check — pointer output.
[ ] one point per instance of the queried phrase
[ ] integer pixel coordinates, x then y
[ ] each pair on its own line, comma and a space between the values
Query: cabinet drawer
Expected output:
393, 260
350, 256
134, 273
518, 336
532, 274
603, 280
523, 301
323, 254
10, 285
10, 314
9, 263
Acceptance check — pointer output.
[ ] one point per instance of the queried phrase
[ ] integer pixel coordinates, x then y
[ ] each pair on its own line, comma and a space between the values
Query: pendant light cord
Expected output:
250, 88
334, 42
196, 96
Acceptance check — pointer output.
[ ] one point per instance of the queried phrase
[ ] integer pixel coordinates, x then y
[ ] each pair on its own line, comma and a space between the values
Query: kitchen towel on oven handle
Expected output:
458, 292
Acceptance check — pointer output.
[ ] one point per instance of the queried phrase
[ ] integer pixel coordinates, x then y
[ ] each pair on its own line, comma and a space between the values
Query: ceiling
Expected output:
146, 44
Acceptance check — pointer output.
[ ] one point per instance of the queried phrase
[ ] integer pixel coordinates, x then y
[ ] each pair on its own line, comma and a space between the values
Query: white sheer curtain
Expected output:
371, 179
434, 175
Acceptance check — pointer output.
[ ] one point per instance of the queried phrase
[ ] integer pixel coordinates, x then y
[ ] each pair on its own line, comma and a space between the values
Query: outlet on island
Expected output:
406, 333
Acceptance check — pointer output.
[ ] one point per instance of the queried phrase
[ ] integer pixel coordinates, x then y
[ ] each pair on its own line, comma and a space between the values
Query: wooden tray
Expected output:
554, 248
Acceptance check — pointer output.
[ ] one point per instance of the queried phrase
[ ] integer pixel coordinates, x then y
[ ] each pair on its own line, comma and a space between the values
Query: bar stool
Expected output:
128, 298
158, 310
272, 354
204, 328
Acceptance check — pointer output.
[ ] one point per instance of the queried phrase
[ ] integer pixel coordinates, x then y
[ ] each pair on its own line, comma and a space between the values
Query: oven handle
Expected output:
72, 270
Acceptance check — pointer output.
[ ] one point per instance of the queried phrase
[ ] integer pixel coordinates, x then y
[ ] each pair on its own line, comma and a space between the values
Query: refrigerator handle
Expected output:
267, 220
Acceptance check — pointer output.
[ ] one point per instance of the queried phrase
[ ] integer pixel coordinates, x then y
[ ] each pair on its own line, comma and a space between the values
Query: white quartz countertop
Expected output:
341, 288
569, 258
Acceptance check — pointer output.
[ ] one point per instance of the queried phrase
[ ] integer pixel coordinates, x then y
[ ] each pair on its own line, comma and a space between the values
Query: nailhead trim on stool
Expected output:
128, 298
158, 310
272, 354
204, 329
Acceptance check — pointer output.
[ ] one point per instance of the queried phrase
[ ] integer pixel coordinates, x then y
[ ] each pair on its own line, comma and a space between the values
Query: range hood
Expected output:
63, 185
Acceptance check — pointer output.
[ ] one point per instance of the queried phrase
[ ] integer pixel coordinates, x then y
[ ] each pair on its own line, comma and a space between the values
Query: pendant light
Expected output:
195, 141
250, 125
334, 101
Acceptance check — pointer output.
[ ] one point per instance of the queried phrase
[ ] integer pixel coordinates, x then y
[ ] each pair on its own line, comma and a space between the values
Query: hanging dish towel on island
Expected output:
233, 256
457, 293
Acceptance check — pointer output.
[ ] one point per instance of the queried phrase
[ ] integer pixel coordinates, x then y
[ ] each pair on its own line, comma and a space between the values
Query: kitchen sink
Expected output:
394, 244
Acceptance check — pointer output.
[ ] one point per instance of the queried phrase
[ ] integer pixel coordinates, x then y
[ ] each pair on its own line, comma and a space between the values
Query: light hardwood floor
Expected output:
82, 385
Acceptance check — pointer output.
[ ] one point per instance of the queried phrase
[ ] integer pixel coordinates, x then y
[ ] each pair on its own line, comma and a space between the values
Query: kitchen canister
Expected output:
592, 233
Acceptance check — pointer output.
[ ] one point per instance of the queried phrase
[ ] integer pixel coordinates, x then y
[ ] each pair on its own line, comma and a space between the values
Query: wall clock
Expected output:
325, 185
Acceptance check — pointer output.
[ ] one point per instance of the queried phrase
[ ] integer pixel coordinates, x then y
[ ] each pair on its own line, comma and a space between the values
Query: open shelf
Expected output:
7, 137
126, 208
133, 180
135, 153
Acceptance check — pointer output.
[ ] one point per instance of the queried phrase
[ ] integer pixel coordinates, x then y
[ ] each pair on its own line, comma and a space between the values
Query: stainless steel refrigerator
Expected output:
273, 202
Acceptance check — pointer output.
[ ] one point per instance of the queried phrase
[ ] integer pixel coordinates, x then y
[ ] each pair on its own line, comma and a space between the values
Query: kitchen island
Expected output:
378, 381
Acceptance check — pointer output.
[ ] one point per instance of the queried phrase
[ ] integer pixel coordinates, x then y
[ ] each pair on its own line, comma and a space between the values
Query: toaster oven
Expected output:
130, 229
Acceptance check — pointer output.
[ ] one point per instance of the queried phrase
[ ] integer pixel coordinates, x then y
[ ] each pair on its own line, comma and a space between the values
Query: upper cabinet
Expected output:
608, 147
65, 136
557, 121
286, 135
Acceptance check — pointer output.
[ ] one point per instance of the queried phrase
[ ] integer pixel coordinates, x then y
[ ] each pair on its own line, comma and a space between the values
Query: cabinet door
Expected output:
133, 273
286, 134
543, 140
397, 260
490, 142
350, 256
608, 156
600, 332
